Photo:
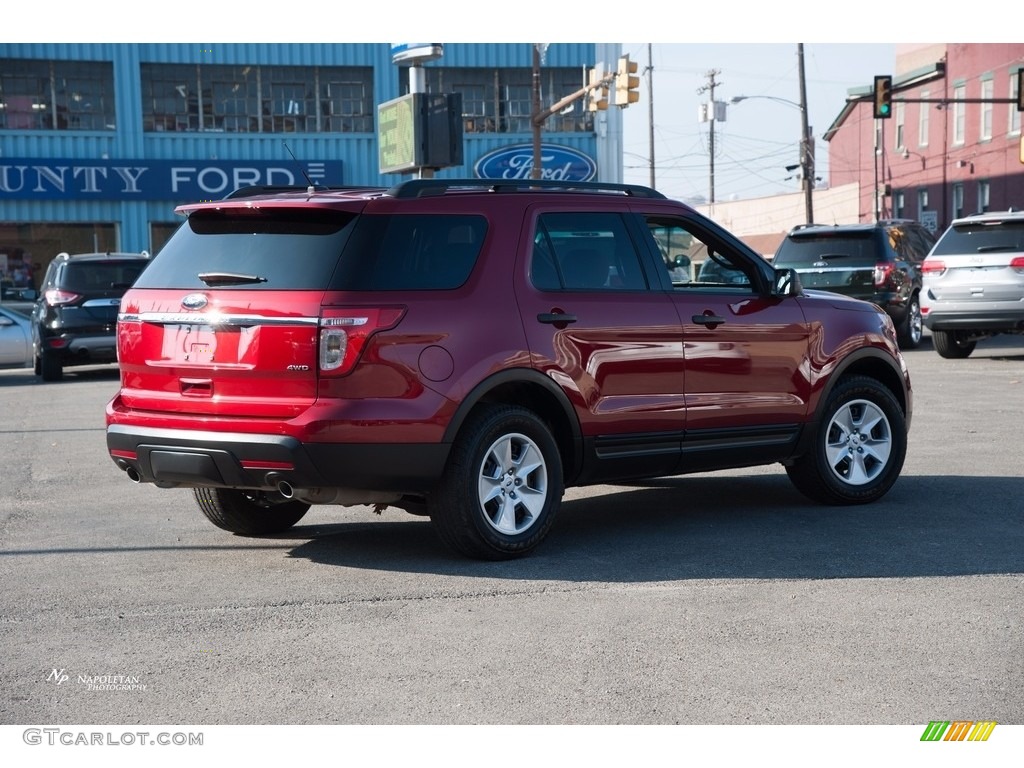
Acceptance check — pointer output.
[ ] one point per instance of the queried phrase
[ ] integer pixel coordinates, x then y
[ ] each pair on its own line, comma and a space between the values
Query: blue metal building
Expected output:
99, 142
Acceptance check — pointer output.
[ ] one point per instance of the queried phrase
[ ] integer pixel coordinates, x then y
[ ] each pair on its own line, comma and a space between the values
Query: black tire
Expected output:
912, 328
859, 448
50, 368
250, 513
950, 345
480, 509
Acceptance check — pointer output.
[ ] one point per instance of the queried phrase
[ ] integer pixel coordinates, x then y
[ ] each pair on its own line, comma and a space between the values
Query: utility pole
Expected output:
710, 87
650, 110
535, 123
806, 145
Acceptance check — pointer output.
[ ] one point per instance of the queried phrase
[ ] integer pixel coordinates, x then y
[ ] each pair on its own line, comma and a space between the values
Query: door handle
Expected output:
709, 320
554, 318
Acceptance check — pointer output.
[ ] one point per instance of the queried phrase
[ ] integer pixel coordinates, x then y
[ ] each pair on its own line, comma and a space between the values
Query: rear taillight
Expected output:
55, 297
1017, 262
932, 266
344, 333
883, 272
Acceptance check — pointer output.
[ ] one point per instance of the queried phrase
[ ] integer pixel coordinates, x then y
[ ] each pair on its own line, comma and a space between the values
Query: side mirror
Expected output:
787, 283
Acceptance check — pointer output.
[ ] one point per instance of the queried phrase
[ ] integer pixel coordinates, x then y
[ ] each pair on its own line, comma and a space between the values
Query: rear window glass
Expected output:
284, 249
410, 252
851, 249
93, 276
976, 237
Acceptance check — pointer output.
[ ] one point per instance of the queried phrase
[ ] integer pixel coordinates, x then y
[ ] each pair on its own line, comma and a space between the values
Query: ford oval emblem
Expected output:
558, 163
194, 301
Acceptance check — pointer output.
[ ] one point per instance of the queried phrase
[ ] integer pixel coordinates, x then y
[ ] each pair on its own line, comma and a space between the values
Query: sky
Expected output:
760, 135
752, 47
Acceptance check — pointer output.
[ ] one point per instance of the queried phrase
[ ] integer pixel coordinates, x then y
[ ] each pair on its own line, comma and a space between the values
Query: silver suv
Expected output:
973, 282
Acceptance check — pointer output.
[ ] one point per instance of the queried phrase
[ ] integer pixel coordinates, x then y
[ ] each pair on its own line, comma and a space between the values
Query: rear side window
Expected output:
851, 249
975, 237
584, 252
94, 276
410, 252
284, 249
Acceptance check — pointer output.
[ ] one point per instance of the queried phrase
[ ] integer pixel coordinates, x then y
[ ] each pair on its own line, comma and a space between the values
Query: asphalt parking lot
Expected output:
709, 599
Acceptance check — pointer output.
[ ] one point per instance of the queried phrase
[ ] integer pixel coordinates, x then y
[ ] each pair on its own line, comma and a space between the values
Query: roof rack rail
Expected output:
430, 187
275, 189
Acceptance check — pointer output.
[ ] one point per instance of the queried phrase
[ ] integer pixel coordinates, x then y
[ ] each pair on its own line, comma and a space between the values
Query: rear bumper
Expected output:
1002, 321
96, 348
192, 459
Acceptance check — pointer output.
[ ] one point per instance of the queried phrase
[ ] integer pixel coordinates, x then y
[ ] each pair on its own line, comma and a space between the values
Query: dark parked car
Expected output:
880, 263
467, 349
974, 282
74, 321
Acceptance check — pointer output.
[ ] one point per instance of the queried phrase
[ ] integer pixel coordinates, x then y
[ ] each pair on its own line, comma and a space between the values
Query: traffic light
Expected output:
626, 83
597, 95
883, 96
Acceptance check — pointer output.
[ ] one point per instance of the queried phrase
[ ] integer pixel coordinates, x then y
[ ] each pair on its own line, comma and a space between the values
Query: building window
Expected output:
501, 100
1014, 127
901, 116
239, 99
41, 95
234, 99
289, 100
959, 114
986, 109
899, 205
958, 200
347, 101
922, 121
922, 201
984, 192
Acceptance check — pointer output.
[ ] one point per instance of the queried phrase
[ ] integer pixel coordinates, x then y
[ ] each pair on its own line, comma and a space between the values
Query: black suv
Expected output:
880, 263
75, 319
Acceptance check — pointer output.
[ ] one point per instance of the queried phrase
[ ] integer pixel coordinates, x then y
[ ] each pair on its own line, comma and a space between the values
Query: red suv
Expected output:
467, 349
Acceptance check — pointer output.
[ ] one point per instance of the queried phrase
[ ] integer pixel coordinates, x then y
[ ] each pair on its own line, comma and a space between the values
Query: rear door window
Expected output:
849, 249
981, 237
99, 276
280, 249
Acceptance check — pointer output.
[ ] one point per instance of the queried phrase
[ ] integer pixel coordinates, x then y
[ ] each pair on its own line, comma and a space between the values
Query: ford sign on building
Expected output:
558, 163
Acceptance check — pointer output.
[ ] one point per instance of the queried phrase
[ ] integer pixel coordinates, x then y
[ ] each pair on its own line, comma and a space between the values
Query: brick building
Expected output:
952, 146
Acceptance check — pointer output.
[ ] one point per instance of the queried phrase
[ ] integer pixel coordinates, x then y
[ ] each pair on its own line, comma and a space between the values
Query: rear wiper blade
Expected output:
993, 248
229, 278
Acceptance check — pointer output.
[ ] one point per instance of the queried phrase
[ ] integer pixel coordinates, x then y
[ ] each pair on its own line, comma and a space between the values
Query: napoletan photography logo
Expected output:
114, 681
958, 730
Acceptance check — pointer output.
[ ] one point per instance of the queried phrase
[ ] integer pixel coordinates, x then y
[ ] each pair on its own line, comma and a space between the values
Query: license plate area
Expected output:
200, 344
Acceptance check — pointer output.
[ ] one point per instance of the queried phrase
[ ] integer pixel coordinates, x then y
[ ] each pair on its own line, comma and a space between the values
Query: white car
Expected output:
973, 282
15, 339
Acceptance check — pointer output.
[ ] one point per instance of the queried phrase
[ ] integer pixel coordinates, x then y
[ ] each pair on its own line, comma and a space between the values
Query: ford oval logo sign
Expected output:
558, 163
194, 301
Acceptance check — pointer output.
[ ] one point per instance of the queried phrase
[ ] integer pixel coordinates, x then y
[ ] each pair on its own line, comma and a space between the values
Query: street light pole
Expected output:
806, 146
